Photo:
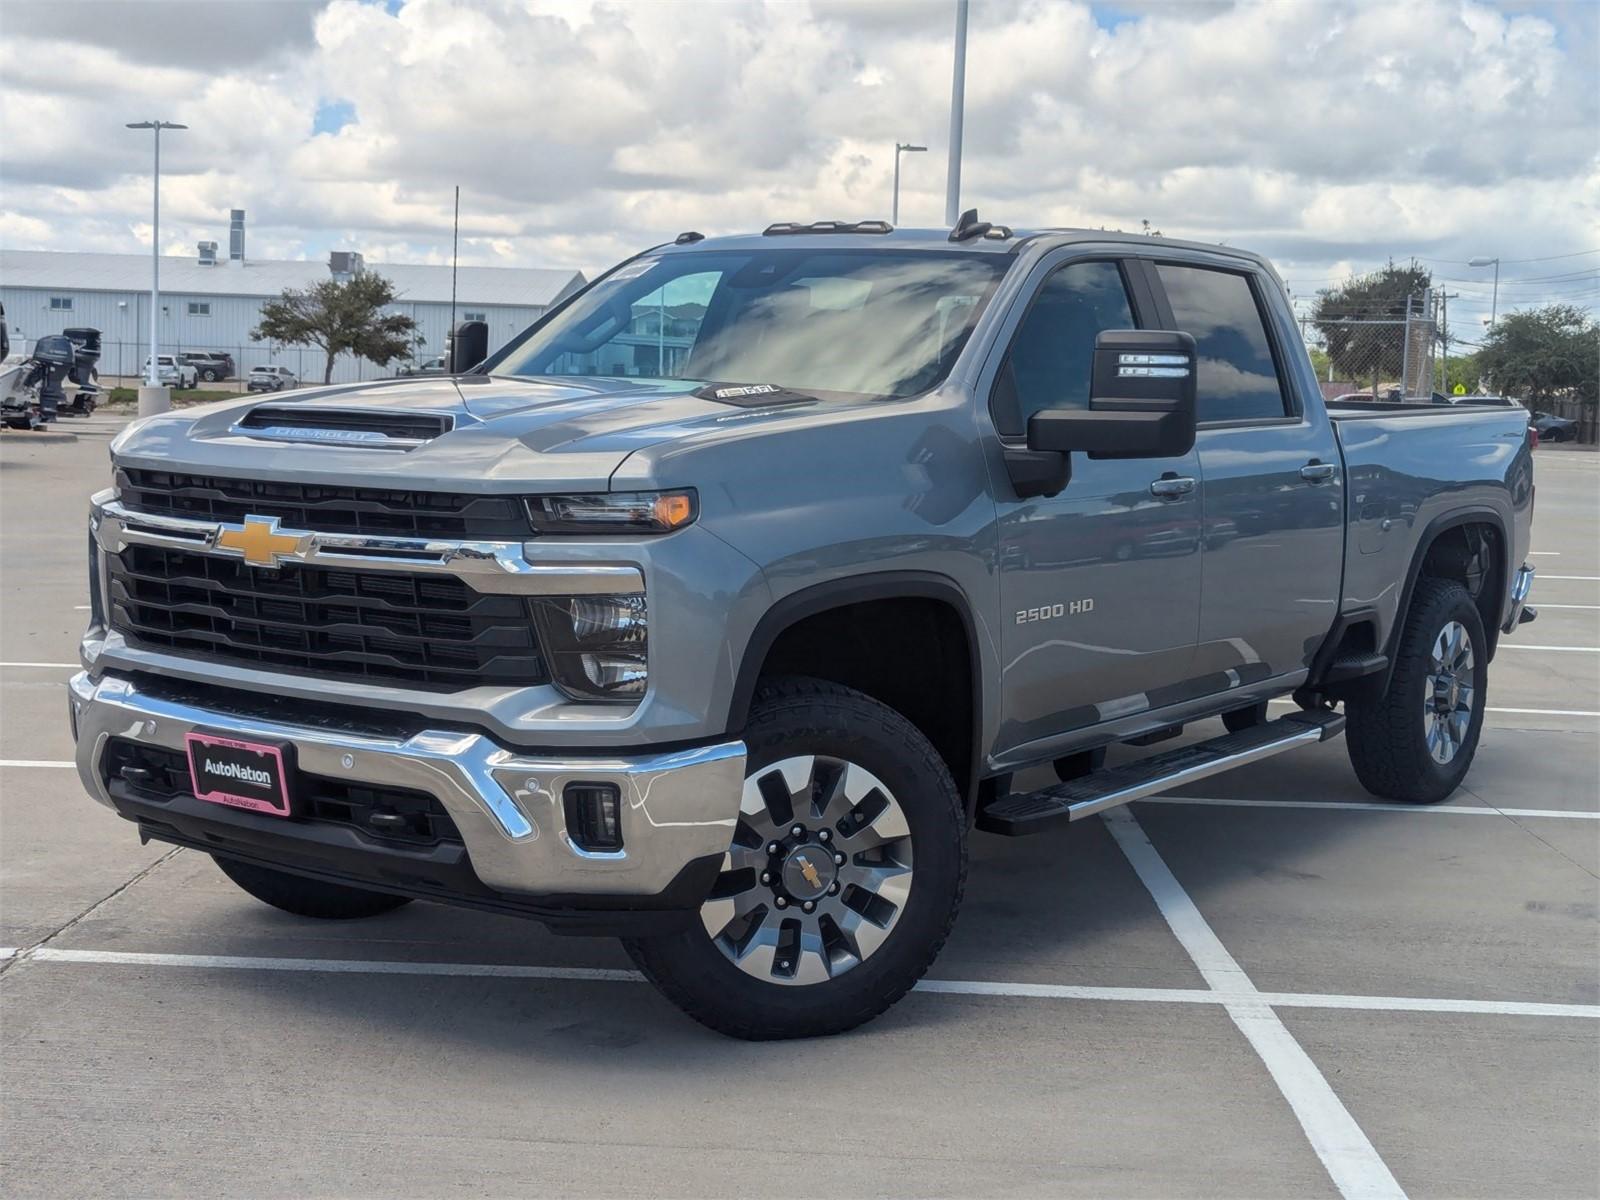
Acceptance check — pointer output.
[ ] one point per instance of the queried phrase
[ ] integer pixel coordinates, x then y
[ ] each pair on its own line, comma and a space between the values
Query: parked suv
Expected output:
173, 371
210, 365
725, 637
270, 379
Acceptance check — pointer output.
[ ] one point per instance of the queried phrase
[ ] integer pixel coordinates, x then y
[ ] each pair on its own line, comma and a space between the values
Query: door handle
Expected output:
1317, 472
1170, 487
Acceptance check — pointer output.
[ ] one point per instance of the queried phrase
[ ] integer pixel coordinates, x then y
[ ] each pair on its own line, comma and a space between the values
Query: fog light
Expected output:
594, 815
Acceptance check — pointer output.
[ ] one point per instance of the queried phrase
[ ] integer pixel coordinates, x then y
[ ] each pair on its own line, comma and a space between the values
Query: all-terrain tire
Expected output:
307, 897
1386, 733
798, 716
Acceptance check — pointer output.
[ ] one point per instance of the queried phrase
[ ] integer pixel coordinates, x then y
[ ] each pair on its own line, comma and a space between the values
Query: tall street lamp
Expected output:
958, 94
1494, 299
154, 378
900, 148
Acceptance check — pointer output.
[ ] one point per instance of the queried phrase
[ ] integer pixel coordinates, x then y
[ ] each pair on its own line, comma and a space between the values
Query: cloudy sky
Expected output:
1330, 135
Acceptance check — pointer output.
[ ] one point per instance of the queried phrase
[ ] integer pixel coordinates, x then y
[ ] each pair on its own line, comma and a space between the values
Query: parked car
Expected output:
270, 379
210, 365
430, 366
1483, 398
1554, 429
732, 666
172, 371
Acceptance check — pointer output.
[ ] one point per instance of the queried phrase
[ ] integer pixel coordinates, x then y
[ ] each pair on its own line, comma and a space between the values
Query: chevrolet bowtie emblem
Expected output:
813, 876
259, 542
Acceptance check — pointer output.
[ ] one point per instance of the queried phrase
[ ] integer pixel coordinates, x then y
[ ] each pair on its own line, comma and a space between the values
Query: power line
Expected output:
1461, 262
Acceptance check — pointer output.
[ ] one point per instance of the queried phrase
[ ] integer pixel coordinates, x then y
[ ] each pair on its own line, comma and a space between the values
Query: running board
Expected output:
1032, 812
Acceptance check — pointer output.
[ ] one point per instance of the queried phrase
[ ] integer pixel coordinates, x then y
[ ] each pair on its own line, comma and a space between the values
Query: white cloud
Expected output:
1329, 135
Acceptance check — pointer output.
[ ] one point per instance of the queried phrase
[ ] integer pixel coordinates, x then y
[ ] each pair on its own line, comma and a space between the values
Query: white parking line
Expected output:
1349, 1158
52, 764
938, 987
1572, 579
1571, 607
1360, 806
1544, 554
43, 666
1556, 649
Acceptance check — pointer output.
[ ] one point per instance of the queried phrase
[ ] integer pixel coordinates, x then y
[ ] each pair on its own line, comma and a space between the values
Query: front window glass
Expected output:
1051, 359
879, 323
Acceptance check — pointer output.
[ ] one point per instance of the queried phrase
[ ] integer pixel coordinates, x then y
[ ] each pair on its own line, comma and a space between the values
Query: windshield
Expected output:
879, 323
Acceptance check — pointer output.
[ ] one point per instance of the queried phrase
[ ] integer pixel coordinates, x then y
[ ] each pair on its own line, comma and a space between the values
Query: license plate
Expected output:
249, 775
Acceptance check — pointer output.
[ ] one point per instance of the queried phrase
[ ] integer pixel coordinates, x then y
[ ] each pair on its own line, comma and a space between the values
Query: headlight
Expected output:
597, 646
614, 512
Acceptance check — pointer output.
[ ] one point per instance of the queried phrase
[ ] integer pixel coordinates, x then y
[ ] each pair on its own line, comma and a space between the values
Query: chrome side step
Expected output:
1032, 812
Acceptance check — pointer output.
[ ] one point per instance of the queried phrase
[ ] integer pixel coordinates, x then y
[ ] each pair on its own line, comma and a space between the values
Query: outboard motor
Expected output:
85, 353
53, 358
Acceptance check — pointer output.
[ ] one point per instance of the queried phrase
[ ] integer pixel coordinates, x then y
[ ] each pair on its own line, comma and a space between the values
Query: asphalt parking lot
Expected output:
1271, 987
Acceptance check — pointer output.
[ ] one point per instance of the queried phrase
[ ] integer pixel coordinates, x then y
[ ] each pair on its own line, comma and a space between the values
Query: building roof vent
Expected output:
345, 265
208, 254
236, 236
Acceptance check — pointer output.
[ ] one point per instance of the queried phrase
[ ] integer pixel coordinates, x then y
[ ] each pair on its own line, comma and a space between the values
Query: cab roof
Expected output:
939, 240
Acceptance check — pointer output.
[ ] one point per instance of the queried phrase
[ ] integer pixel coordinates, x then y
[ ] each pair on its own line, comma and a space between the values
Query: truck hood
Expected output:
499, 433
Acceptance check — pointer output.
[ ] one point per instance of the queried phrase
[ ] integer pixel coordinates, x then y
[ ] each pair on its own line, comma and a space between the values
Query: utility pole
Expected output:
958, 92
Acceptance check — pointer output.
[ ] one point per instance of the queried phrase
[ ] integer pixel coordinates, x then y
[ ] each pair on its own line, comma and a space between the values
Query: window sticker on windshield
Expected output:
632, 270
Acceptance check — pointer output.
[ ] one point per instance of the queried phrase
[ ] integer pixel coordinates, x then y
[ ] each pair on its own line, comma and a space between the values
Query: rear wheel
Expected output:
843, 878
307, 897
1416, 740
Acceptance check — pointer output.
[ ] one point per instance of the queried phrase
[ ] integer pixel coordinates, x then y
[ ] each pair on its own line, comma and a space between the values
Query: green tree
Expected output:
340, 318
1343, 319
1461, 370
1541, 353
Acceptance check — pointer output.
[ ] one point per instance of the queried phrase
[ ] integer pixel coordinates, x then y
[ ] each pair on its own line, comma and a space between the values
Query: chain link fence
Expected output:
1390, 358
122, 363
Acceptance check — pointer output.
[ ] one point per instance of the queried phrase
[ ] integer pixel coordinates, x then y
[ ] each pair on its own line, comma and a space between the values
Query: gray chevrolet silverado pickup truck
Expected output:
717, 610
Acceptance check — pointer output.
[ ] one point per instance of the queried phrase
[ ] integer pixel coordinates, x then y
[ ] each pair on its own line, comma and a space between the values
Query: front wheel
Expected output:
844, 875
1415, 740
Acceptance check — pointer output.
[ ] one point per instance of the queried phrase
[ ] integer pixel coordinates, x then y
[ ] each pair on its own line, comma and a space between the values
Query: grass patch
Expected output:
127, 397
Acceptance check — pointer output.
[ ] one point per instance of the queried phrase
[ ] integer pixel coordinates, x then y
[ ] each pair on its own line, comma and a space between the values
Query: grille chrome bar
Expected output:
499, 568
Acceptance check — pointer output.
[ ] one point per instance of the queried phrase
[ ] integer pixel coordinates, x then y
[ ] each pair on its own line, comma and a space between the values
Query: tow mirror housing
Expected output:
1141, 400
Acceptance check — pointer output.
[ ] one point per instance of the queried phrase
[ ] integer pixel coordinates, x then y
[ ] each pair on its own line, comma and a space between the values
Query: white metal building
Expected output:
209, 303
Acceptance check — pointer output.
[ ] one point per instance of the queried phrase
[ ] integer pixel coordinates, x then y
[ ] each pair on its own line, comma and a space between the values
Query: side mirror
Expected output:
1141, 400
469, 346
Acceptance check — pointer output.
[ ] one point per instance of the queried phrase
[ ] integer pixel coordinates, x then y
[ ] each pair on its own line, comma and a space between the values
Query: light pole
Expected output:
899, 148
153, 380
1494, 299
958, 92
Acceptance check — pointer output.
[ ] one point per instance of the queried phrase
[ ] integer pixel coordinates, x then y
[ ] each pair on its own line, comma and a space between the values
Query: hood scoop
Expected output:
355, 427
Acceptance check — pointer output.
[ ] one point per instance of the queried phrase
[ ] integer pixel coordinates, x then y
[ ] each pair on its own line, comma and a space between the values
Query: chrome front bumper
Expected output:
676, 807
1521, 586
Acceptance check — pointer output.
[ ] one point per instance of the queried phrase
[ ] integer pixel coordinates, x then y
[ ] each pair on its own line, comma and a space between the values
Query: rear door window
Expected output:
1238, 377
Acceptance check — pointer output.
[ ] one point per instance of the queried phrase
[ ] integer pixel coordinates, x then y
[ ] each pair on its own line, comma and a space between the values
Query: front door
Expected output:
1099, 584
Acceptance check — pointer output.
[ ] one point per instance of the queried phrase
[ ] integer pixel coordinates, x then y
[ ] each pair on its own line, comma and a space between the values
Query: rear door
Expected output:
1098, 584
1273, 488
